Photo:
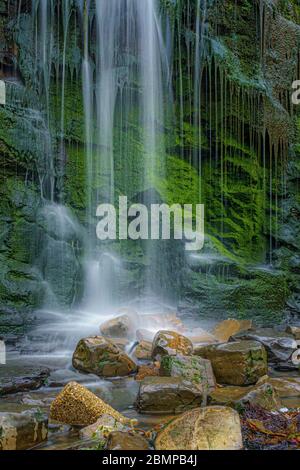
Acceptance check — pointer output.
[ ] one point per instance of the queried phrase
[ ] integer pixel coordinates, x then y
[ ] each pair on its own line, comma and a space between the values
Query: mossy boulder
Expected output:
170, 343
191, 368
263, 395
238, 363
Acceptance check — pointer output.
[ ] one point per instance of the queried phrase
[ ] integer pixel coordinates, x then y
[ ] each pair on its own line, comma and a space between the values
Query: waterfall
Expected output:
127, 77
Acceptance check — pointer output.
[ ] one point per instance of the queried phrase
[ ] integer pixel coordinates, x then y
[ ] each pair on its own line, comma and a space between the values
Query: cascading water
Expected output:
126, 77
125, 89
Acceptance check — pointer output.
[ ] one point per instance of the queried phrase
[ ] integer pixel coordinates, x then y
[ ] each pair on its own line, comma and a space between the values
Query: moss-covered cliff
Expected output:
231, 137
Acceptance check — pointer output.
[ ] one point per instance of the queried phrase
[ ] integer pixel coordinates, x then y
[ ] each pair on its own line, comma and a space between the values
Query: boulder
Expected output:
238, 363
147, 371
22, 431
287, 388
210, 428
144, 335
121, 343
295, 359
99, 356
77, 406
101, 429
162, 321
143, 351
169, 343
167, 395
124, 441
191, 368
200, 336
17, 379
294, 331
224, 330
120, 327
279, 345
203, 349
262, 395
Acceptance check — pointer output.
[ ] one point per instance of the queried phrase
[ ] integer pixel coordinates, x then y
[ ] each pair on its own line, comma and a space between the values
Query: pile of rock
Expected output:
196, 381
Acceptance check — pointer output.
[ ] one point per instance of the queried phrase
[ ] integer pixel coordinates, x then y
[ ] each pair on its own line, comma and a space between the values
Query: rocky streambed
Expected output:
133, 385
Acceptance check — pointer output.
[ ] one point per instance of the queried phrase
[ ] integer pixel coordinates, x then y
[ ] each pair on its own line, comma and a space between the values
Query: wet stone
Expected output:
15, 379
97, 355
170, 343
238, 363
210, 428
22, 431
125, 441
167, 395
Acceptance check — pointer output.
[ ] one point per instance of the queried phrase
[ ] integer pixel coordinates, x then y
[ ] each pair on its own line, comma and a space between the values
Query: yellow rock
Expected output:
211, 428
223, 331
170, 343
143, 351
77, 406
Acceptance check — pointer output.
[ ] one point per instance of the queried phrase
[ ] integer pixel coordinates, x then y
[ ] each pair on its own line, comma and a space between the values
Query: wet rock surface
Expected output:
124, 441
294, 331
164, 395
99, 356
265, 430
191, 368
77, 406
150, 370
22, 431
170, 343
211, 428
264, 395
161, 391
15, 379
238, 363
279, 345
143, 351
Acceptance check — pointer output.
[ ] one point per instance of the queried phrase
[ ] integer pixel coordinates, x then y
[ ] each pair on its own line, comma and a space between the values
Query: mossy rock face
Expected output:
191, 368
238, 363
